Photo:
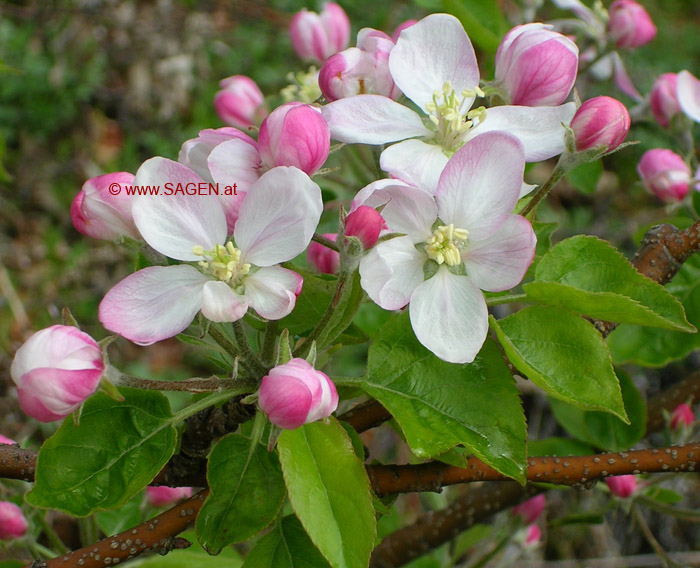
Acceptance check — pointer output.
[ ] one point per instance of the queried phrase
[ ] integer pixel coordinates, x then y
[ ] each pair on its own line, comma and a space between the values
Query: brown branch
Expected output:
156, 535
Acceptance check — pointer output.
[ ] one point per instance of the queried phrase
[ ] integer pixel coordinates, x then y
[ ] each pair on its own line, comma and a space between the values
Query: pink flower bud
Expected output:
55, 370
665, 174
317, 37
623, 485
295, 393
295, 134
536, 66
531, 509
681, 416
240, 102
663, 98
12, 522
401, 27
630, 25
534, 536
325, 260
162, 495
365, 223
6, 440
600, 121
102, 208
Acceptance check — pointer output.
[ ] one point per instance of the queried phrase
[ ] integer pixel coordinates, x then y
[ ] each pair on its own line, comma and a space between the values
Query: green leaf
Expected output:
589, 276
543, 231
117, 449
603, 430
329, 492
564, 355
663, 495
558, 447
118, 520
482, 19
658, 347
439, 405
586, 176
247, 492
316, 294
286, 546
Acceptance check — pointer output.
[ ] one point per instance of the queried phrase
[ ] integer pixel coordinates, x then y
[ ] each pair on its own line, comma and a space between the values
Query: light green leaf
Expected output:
329, 492
247, 492
286, 546
439, 405
589, 276
117, 449
316, 294
585, 177
482, 19
564, 355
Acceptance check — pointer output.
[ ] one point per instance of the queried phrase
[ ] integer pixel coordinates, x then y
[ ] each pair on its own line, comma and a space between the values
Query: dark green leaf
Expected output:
482, 19
118, 520
316, 294
558, 447
439, 405
663, 495
117, 449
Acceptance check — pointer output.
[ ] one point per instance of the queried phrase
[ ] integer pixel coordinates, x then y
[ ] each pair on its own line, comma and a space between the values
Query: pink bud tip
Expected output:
534, 536
630, 25
663, 98
665, 174
622, 486
240, 101
365, 223
161, 496
531, 509
682, 415
12, 522
325, 260
6, 440
600, 121
318, 36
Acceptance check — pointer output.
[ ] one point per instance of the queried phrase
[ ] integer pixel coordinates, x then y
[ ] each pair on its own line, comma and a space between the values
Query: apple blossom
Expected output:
13, 524
401, 27
434, 65
665, 174
458, 241
295, 393
533, 536
161, 496
663, 99
629, 25
276, 222
6, 440
318, 36
622, 486
600, 121
689, 95
682, 415
55, 370
325, 260
531, 509
536, 66
364, 223
240, 102
102, 208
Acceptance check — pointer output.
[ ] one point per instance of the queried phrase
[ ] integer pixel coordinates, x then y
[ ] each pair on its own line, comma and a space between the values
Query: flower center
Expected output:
452, 124
223, 263
446, 243
303, 86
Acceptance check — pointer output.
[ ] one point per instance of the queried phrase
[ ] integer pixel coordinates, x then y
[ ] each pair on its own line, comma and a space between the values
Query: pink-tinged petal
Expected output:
173, 224
221, 303
582, 11
285, 403
481, 183
272, 291
415, 162
431, 52
195, 152
623, 80
689, 95
500, 261
372, 119
449, 316
391, 271
406, 209
278, 217
327, 402
154, 303
538, 128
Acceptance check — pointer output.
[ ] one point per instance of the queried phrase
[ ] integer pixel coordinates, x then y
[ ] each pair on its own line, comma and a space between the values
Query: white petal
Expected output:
278, 216
526, 189
431, 52
235, 161
154, 303
173, 224
689, 95
220, 303
538, 128
499, 262
449, 316
391, 271
273, 291
372, 119
362, 197
415, 162
481, 184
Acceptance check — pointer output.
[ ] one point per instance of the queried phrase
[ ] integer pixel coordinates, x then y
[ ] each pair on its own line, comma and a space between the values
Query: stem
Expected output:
224, 341
195, 384
208, 401
247, 352
320, 239
544, 189
269, 342
51, 534
651, 539
497, 301
87, 527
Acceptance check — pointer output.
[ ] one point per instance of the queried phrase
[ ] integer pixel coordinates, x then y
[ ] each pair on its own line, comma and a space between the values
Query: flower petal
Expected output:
415, 162
689, 95
449, 316
372, 119
221, 303
272, 291
154, 303
538, 128
623, 80
431, 52
391, 271
481, 183
278, 217
499, 262
173, 224
235, 161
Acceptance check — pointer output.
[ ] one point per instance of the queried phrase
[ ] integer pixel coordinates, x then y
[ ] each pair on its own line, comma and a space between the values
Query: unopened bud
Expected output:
239, 102
365, 223
682, 416
665, 174
630, 25
324, 259
600, 121
12, 522
622, 486
663, 98
318, 36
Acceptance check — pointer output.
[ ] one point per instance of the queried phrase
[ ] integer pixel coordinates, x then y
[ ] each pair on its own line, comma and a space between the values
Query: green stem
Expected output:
497, 301
249, 356
269, 342
224, 341
544, 189
208, 401
51, 534
195, 384
651, 539
87, 527
320, 239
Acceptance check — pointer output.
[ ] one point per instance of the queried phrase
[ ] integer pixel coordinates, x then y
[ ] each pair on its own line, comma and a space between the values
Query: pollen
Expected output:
222, 262
446, 243
452, 124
